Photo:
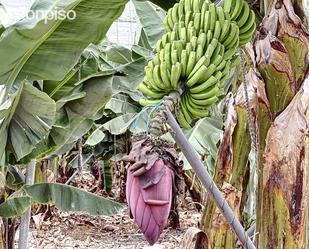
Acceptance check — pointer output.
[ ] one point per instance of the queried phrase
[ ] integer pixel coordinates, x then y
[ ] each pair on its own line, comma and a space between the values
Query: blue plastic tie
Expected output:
148, 120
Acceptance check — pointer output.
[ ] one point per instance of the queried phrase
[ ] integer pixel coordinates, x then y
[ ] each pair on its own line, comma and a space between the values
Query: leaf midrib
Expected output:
15, 72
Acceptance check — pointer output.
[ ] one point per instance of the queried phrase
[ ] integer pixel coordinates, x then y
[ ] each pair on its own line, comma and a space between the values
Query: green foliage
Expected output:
68, 198
27, 115
204, 137
151, 20
15, 206
40, 50
80, 113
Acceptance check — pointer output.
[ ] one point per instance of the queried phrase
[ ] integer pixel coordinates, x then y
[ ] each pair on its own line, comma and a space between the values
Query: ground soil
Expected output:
68, 231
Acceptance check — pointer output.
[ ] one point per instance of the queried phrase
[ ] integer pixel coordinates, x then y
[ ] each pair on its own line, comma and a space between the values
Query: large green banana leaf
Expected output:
38, 49
88, 66
204, 137
26, 116
66, 198
151, 20
75, 118
14, 206
80, 113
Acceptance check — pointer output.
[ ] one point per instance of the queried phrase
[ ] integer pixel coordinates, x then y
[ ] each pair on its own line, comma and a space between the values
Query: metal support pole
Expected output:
207, 181
25, 218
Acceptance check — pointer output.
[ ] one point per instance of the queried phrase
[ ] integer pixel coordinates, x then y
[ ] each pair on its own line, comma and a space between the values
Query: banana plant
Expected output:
47, 119
252, 119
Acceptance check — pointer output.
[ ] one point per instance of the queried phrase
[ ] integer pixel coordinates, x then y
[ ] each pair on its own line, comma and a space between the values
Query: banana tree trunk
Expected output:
280, 60
282, 174
232, 169
2, 233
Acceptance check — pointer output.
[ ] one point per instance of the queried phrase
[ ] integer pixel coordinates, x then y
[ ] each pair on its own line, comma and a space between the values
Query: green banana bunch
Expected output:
196, 54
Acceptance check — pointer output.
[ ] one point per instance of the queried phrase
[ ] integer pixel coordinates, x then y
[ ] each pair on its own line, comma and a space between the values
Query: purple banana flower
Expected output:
149, 187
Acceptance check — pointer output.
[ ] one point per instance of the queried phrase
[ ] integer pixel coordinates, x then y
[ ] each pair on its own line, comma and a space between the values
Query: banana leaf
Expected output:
36, 48
80, 113
151, 20
68, 198
15, 206
26, 116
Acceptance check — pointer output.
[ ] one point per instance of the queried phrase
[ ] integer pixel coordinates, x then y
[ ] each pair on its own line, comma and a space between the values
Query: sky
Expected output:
13, 11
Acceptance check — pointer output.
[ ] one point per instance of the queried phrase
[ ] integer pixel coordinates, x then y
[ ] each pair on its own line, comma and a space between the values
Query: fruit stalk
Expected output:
207, 181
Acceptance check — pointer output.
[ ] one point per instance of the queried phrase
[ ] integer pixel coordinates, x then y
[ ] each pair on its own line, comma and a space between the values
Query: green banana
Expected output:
229, 53
218, 75
213, 16
199, 52
211, 48
150, 92
227, 7
188, 18
144, 102
159, 45
164, 39
224, 30
187, 6
156, 59
183, 34
209, 37
221, 65
174, 56
184, 61
191, 62
203, 11
245, 37
201, 75
201, 87
173, 36
185, 112
209, 92
189, 48
196, 6
197, 21
181, 120
157, 78
181, 9
175, 75
150, 80
245, 12
217, 31
202, 61
167, 54
175, 13
195, 110
165, 74
218, 51
196, 76
193, 42
205, 102
206, 21
202, 40
217, 60
250, 22
220, 15
234, 30
237, 9
169, 19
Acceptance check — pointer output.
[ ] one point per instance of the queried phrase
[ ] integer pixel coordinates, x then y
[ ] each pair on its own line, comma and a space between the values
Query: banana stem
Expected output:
207, 181
25, 218
159, 118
